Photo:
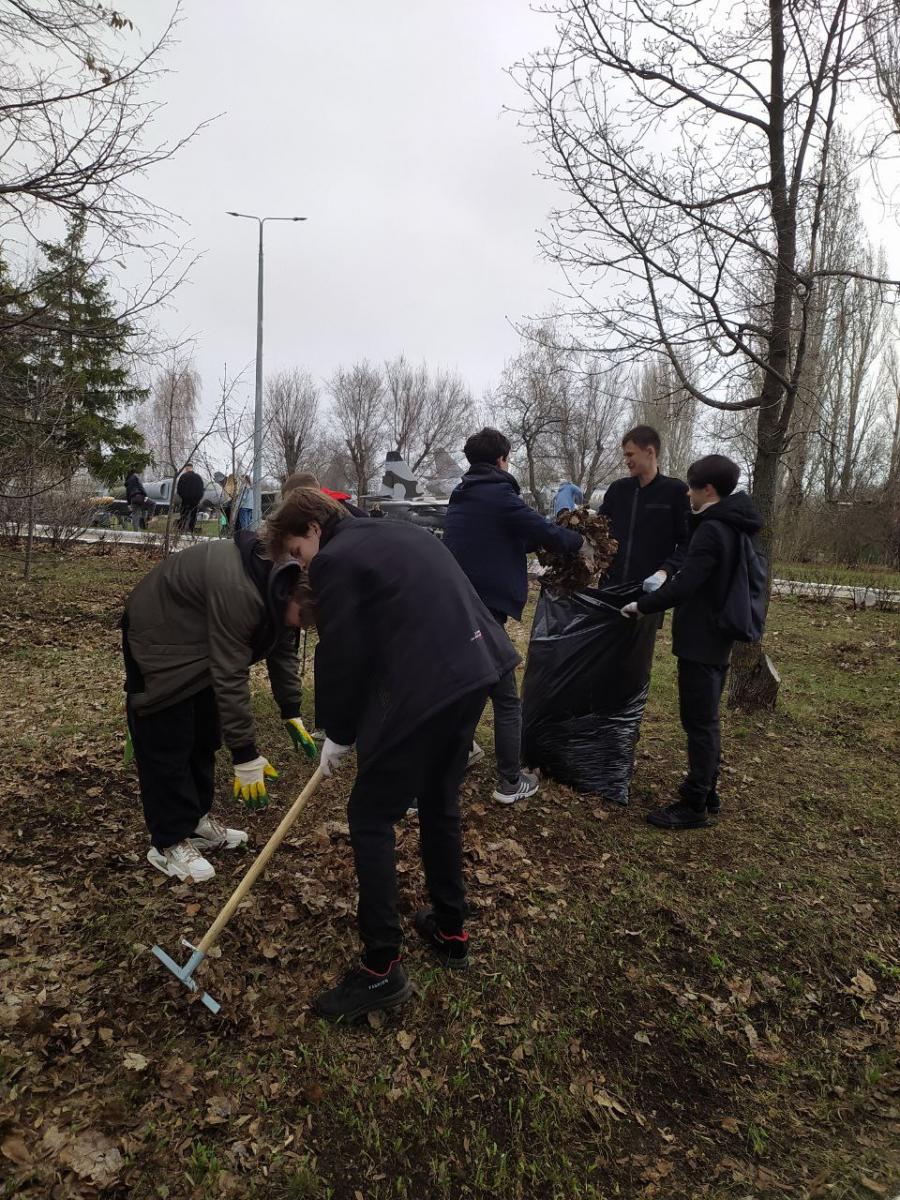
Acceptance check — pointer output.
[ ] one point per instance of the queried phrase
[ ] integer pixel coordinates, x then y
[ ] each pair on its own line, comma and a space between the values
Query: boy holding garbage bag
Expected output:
702, 593
405, 657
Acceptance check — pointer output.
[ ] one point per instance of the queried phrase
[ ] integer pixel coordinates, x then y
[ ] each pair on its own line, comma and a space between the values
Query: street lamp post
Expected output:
258, 408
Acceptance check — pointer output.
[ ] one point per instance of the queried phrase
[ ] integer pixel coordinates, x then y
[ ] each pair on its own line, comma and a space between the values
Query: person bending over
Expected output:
191, 630
406, 656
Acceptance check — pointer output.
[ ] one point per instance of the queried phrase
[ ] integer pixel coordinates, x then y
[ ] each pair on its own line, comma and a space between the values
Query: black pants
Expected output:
188, 518
175, 751
428, 766
699, 692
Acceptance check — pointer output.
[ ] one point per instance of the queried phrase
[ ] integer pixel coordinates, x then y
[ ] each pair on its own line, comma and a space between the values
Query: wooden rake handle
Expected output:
212, 934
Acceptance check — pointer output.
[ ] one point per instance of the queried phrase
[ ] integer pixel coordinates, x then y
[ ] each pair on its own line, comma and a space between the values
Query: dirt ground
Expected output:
711, 1015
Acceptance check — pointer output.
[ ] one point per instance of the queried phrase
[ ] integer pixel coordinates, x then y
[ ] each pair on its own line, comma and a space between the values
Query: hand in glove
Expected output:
332, 753
630, 610
250, 781
301, 738
655, 581
587, 553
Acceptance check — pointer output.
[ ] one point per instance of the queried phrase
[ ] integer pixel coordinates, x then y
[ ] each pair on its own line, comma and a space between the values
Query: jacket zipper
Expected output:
630, 536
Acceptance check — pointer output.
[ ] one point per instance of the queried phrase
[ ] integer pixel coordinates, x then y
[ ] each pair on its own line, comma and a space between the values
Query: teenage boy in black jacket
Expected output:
490, 530
648, 514
406, 655
697, 593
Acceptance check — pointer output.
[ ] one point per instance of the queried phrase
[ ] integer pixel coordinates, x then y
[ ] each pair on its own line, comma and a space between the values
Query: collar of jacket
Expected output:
274, 581
331, 527
487, 473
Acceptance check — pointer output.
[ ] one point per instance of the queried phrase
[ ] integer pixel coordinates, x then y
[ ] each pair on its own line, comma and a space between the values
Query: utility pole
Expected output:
258, 407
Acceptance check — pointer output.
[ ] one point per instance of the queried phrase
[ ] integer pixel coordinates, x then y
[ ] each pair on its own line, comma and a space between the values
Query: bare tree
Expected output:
169, 419
291, 409
425, 411
531, 398
586, 436
670, 408
75, 114
358, 393
692, 144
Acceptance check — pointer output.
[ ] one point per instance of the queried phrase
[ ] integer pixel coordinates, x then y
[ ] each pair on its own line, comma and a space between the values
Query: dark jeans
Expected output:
429, 766
507, 727
175, 751
699, 692
141, 512
507, 720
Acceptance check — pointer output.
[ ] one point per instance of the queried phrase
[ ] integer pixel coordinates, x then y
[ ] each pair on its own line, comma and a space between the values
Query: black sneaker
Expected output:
713, 803
363, 991
451, 949
678, 815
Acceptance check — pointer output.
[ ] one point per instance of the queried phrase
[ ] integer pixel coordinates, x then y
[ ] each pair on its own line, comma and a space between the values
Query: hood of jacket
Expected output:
484, 474
736, 510
274, 581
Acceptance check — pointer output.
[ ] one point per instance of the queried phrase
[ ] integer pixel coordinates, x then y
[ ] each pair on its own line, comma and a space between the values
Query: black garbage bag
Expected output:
585, 688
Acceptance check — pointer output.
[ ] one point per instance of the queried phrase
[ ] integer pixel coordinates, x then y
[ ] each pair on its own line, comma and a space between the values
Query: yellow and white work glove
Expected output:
250, 781
332, 753
301, 737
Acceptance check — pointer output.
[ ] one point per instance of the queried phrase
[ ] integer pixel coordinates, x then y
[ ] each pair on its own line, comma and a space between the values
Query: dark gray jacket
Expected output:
200, 618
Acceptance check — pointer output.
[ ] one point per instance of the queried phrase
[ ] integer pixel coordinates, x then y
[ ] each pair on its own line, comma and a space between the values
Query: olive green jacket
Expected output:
200, 618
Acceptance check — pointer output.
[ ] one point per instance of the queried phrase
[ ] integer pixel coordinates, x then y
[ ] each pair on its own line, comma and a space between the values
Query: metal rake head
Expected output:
186, 973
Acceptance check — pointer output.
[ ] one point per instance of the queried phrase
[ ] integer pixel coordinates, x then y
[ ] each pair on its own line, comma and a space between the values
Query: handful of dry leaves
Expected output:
571, 572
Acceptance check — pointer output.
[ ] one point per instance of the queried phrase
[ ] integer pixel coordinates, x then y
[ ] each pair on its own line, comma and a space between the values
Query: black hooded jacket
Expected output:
402, 633
697, 592
490, 531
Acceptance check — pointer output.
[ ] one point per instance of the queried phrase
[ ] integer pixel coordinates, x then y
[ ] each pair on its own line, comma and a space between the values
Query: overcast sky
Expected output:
382, 123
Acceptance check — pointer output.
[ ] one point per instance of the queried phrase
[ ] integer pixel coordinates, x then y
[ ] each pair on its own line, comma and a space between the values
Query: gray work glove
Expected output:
655, 581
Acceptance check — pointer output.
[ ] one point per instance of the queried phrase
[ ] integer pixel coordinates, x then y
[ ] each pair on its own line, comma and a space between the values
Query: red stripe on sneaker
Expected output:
381, 974
454, 937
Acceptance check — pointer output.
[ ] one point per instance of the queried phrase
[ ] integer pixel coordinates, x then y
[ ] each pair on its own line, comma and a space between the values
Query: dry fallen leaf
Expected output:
865, 983
135, 1062
730, 1125
605, 1100
95, 1158
642, 1037
405, 1039
13, 1147
873, 1186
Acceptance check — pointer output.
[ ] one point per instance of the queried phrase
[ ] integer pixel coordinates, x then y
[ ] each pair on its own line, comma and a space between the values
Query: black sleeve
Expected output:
700, 562
342, 675
607, 504
681, 514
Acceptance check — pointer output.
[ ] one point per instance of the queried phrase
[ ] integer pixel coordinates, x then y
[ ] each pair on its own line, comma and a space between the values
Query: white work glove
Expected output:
587, 552
250, 781
331, 756
631, 610
655, 581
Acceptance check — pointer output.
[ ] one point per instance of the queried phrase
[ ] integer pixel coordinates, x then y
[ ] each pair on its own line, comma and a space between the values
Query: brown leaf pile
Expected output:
571, 573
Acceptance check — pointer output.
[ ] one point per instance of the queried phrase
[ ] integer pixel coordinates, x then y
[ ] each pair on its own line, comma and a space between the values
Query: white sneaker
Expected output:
476, 754
211, 834
526, 785
184, 861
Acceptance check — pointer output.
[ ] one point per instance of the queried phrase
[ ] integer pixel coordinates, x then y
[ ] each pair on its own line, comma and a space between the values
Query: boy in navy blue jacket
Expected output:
719, 515
490, 531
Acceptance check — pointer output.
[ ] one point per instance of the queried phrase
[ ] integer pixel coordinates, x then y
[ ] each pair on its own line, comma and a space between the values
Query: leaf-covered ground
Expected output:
711, 1015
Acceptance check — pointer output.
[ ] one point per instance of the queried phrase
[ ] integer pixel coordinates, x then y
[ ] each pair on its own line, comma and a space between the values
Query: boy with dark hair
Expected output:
698, 591
406, 655
648, 514
191, 630
490, 530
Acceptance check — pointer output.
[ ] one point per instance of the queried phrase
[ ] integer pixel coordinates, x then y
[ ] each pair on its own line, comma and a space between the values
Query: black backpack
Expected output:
743, 613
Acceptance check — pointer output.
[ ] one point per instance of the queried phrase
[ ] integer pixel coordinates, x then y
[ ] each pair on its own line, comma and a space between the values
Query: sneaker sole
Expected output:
357, 1014
505, 798
173, 872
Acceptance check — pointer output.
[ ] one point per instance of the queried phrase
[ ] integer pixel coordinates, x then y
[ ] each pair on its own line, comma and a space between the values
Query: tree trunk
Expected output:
29, 540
